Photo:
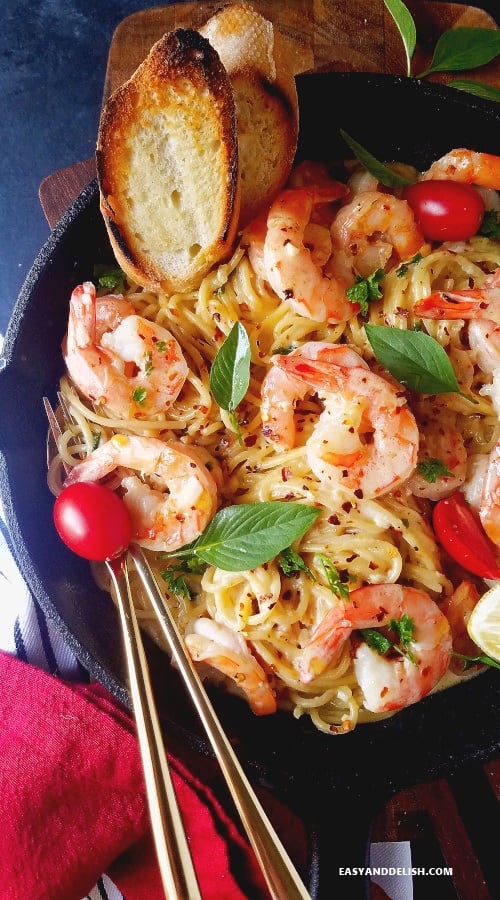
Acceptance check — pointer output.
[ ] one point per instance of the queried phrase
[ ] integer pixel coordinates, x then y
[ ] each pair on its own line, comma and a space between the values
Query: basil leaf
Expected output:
464, 48
406, 28
414, 358
230, 372
483, 659
336, 586
478, 88
382, 173
247, 535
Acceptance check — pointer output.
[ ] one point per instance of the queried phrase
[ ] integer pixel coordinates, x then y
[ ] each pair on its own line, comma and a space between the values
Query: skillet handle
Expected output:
342, 823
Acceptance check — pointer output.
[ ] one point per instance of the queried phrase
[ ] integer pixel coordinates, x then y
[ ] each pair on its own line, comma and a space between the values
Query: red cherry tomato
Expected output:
445, 210
461, 534
92, 521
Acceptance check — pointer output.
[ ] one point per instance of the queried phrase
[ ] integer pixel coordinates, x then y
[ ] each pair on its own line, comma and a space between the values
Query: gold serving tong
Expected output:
178, 875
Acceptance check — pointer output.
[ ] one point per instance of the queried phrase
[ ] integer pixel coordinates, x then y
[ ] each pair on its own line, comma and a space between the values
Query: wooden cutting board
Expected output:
322, 35
331, 35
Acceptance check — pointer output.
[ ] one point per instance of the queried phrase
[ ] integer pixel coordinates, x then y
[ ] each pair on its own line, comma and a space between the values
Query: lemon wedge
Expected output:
484, 623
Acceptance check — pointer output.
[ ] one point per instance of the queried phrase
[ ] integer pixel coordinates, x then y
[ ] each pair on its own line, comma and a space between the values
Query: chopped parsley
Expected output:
404, 628
175, 576
110, 278
402, 270
432, 469
96, 440
490, 226
139, 395
365, 290
291, 562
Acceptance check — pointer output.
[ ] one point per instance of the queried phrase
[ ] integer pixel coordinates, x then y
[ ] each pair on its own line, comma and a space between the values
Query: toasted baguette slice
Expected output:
167, 165
254, 55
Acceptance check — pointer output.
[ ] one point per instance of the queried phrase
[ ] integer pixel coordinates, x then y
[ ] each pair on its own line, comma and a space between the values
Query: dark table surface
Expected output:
54, 55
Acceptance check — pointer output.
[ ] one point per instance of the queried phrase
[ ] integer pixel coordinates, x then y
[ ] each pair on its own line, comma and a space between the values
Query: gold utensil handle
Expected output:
282, 879
174, 858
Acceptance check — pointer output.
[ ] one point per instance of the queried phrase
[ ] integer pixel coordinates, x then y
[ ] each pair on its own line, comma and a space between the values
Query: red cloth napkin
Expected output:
74, 806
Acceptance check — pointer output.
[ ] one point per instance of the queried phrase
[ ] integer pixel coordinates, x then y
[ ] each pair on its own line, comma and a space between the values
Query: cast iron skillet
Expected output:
338, 783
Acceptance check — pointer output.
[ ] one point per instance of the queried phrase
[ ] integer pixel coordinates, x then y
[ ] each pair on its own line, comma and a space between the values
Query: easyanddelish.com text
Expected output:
395, 870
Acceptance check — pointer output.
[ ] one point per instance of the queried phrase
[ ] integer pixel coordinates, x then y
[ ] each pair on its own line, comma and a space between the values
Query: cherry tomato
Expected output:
461, 534
92, 521
445, 210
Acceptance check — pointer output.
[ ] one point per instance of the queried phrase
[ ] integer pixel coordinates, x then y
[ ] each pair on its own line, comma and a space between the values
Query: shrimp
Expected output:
375, 230
467, 166
489, 503
317, 239
457, 608
446, 445
176, 501
289, 263
118, 359
392, 682
365, 440
481, 307
228, 652
482, 490
280, 390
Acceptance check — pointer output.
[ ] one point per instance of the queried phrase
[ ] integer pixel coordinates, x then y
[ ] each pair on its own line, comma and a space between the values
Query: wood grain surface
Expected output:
322, 35
454, 815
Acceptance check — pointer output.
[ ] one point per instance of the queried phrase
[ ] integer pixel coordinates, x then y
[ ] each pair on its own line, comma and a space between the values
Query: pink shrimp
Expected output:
128, 364
176, 497
392, 682
289, 263
373, 231
457, 608
489, 504
281, 390
446, 446
479, 306
365, 440
467, 166
228, 652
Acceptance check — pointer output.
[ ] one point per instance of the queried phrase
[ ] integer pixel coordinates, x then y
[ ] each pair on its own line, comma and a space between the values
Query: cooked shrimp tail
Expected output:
174, 499
118, 359
291, 269
467, 166
228, 652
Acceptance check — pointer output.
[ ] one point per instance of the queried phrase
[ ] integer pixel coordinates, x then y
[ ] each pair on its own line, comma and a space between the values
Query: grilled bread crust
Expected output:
253, 53
167, 165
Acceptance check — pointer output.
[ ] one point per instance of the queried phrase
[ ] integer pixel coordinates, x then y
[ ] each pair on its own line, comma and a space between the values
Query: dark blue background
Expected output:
54, 55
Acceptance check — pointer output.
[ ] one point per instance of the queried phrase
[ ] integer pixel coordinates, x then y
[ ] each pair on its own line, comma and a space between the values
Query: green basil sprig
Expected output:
415, 359
456, 49
230, 372
485, 91
247, 535
463, 48
406, 27
381, 172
